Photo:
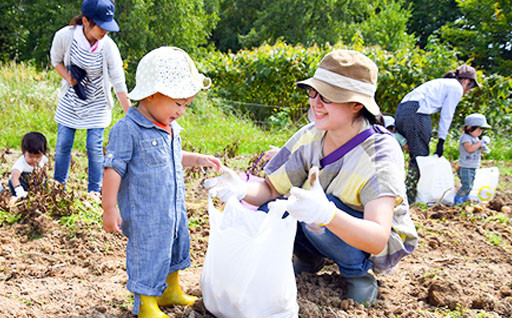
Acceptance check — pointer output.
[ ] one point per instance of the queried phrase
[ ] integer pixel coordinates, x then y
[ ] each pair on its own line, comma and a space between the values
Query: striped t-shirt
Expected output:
373, 169
93, 112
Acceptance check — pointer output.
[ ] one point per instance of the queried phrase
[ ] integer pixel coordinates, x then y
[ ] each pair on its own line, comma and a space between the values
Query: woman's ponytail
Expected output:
77, 20
452, 74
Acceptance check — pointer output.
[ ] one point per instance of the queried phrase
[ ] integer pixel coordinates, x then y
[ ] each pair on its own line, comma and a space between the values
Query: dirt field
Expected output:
461, 268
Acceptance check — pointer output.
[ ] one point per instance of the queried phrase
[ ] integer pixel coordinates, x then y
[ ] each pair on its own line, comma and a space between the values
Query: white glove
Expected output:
227, 185
311, 206
20, 192
486, 140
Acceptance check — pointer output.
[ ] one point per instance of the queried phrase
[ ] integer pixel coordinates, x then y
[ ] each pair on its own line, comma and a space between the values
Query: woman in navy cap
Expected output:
412, 117
90, 65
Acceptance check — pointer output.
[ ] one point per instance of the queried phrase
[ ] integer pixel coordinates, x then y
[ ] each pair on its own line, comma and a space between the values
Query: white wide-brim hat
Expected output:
476, 120
389, 121
169, 71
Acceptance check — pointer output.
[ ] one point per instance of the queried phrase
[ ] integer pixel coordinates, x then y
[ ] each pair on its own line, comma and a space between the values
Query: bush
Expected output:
263, 77
266, 76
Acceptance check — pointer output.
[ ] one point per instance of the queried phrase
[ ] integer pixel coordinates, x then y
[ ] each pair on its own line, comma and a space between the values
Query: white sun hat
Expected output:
388, 121
169, 71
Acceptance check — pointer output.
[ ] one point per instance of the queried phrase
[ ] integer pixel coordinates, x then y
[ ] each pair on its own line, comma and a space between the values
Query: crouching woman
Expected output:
355, 211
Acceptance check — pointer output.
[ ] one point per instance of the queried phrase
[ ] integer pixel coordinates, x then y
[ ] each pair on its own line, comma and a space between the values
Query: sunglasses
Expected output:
312, 93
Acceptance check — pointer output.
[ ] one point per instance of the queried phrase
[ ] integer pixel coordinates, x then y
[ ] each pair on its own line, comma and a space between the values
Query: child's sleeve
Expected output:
19, 165
120, 148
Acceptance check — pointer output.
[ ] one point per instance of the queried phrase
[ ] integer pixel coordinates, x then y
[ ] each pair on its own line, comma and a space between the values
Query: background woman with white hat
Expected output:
413, 121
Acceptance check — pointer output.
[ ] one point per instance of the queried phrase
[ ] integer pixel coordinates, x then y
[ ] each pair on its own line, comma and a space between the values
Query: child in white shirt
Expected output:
34, 148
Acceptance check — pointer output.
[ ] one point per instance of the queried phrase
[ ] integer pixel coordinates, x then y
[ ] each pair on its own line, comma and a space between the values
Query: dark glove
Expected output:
439, 148
79, 74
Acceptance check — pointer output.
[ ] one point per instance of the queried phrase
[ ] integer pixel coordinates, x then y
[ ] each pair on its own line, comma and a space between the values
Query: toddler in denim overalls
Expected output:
144, 175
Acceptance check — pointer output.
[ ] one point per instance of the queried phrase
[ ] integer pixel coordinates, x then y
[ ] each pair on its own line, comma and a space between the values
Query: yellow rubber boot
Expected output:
173, 295
149, 308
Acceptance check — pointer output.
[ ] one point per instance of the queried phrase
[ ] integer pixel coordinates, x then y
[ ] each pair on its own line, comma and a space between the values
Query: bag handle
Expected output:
344, 149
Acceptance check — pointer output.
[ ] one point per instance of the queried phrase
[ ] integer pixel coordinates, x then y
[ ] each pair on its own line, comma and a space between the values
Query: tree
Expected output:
379, 22
27, 27
385, 24
149, 24
483, 34
236, 18
429, 16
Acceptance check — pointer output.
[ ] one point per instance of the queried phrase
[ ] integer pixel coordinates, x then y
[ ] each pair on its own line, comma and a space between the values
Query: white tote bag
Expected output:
248, 271
436, 180
484, 187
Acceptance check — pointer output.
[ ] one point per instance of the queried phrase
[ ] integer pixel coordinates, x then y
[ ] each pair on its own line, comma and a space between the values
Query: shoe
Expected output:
173, 294
311, 264
149, 308
460, 199
361, 289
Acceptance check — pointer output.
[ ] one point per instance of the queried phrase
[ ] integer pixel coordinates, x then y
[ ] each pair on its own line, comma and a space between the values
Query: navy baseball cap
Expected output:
102, 13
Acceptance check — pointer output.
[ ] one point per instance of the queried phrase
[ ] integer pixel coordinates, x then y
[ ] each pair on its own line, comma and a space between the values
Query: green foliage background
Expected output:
267, 75
256, 50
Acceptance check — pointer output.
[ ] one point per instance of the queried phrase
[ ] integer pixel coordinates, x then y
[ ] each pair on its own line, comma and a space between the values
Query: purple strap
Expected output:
254, 167
351, 144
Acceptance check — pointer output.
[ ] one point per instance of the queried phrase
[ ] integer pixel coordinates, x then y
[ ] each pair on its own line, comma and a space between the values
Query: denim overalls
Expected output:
151, 200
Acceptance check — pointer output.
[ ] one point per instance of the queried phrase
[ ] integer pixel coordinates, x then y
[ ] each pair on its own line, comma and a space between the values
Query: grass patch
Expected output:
31, 98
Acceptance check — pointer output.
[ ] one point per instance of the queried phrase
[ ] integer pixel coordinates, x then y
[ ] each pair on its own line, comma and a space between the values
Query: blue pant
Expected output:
320, 242
23, 182
65, 139
417, 129
467, 179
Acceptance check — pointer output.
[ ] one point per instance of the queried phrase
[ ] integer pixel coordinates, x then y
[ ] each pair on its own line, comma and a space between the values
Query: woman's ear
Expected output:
85, 22
357, 107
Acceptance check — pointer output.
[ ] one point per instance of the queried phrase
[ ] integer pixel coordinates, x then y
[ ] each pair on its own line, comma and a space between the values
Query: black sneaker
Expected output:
311, 265
361, 289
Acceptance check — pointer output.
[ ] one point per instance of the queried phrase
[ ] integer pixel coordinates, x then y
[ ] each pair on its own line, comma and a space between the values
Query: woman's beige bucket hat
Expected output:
346, 76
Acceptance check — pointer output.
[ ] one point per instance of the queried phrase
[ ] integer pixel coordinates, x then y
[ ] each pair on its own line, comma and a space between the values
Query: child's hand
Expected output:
112, 220
20, 192
226, 186
210, 161
269, 154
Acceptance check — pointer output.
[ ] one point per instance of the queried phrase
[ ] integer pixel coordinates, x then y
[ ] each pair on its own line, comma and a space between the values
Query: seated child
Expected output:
389, 123
143, 174
470, 148
33, 147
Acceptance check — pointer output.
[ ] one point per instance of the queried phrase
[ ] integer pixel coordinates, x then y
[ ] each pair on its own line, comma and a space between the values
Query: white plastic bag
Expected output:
484, 187
436, 180
248, 271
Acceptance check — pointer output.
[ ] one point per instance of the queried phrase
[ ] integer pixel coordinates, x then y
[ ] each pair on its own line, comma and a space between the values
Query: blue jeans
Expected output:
23, 183
65, 139
467, 179
320, 242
